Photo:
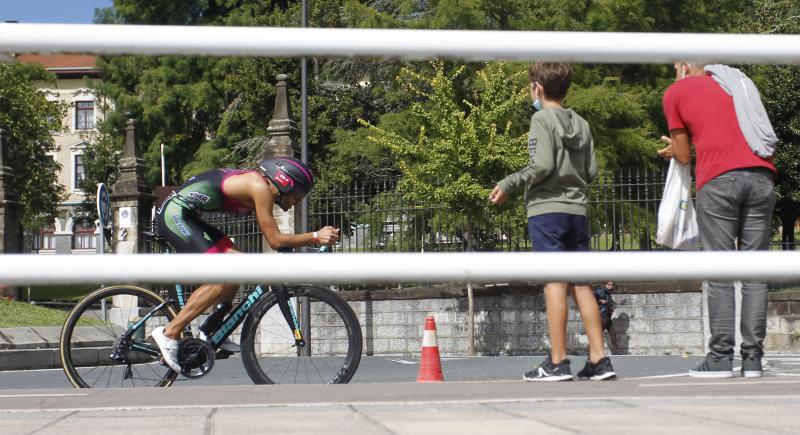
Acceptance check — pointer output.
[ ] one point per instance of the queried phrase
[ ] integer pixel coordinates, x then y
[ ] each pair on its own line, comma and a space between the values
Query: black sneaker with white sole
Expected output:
751, 367
549, 372
602, 370
714, 367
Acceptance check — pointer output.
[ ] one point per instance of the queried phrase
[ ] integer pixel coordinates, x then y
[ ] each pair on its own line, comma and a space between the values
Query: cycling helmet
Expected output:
291, 176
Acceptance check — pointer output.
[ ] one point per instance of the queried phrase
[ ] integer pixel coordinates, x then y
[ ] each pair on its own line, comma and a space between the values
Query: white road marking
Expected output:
410, 362
706, 384
676, 375
403, 361
11, 396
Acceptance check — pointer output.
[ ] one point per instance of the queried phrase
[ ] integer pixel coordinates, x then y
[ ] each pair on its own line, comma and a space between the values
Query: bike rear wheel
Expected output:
105, 341
333, 337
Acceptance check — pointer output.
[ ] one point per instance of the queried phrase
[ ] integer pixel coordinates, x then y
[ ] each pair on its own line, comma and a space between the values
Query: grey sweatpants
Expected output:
736, 207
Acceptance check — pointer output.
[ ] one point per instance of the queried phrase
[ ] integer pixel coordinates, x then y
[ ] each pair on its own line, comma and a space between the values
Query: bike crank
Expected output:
196, 358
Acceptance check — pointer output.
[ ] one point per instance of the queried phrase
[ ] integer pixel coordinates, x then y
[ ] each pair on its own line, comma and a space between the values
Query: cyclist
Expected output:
281, 181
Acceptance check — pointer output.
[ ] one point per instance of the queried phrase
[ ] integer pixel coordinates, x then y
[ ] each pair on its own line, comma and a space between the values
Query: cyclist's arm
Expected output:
264, 203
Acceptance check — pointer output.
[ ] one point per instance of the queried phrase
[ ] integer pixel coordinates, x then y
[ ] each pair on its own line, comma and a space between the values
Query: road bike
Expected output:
291, 333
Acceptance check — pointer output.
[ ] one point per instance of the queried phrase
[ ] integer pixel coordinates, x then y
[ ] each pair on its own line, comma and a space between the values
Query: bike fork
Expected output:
288, 314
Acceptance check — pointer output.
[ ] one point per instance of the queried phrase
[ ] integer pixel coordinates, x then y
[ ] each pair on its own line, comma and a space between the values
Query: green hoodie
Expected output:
562, 163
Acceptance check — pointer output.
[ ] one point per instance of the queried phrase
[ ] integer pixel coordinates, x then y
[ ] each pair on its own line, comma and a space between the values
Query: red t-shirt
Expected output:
702, 107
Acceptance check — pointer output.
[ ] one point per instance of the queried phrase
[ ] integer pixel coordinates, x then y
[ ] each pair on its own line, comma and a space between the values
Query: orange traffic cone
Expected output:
430, 367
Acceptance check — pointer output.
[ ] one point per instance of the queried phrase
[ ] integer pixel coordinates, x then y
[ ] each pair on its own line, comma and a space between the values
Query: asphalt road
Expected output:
380, 369
392, 369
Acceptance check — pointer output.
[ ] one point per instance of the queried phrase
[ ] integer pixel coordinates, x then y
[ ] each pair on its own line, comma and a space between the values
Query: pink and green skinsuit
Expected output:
178, 218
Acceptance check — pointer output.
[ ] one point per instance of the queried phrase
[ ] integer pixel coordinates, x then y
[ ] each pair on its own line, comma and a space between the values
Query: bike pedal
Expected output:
222, 354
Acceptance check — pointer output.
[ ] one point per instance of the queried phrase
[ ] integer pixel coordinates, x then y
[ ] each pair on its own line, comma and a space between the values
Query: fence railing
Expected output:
377, 217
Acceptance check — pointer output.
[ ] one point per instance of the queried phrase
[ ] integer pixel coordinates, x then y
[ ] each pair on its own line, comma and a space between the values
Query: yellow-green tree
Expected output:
462, 146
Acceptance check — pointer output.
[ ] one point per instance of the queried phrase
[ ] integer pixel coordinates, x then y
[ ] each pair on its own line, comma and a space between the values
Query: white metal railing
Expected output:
596, 47
408, 44
410, 267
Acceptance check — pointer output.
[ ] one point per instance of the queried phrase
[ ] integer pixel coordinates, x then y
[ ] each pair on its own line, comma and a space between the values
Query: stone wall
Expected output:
783, 322
512, 321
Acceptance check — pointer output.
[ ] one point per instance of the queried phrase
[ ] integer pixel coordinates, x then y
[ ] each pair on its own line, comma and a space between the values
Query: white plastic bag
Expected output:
677, 222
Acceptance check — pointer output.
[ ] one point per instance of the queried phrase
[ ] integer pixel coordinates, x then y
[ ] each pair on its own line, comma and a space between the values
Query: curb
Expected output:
29, 348
29, 359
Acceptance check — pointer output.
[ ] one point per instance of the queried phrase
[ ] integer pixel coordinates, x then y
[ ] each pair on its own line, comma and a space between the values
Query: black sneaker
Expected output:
547, 371
599, 371
751, 367
714, 367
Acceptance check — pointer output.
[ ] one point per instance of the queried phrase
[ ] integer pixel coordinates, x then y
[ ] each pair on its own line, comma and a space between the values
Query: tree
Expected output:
201, 108
780, 90
461, 148
28, 121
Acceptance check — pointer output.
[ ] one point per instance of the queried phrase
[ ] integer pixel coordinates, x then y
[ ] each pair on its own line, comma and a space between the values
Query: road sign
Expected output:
103, 206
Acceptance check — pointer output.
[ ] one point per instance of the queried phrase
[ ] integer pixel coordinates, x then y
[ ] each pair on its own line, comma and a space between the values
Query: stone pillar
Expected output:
131, 200
10, 214
282, 129
282, 142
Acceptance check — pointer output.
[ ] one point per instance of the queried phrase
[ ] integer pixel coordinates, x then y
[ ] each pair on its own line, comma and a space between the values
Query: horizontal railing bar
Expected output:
359, 268
476, 45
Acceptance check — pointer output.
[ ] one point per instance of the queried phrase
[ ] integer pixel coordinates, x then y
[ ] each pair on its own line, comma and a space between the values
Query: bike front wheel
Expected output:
105, 341
332, 335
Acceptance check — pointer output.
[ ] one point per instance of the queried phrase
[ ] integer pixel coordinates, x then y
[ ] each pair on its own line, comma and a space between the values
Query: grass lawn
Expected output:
14, 314
22, 314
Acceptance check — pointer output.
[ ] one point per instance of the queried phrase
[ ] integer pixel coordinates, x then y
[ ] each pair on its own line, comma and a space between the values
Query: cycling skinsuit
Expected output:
178, 219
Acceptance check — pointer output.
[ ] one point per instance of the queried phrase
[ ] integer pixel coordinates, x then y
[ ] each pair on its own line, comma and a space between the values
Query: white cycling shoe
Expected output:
228, 345
169, 348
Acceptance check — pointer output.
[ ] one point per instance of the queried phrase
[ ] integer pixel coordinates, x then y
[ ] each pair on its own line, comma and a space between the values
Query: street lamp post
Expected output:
305, 309
304, 121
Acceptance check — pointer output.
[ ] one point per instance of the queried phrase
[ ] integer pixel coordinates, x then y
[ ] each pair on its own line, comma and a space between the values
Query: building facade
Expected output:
74, 231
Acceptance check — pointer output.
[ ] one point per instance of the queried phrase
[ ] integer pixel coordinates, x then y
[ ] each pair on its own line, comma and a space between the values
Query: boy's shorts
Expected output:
558, 232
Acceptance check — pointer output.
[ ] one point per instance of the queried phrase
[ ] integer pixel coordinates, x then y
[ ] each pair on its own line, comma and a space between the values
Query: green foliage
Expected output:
28, 121
623, 130
780, 91
214, 111
462, 147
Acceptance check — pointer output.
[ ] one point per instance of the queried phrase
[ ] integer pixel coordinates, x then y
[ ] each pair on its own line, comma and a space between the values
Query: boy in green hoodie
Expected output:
561, 165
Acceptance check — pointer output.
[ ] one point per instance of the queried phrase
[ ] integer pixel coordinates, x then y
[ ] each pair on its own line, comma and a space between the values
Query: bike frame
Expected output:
239, 314
230, 322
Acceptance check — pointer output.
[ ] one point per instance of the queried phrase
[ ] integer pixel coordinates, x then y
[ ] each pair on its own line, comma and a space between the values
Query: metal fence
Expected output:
622, 211
377, 217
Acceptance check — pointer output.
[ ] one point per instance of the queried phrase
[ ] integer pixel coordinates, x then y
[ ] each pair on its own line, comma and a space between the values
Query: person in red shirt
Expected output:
735, 200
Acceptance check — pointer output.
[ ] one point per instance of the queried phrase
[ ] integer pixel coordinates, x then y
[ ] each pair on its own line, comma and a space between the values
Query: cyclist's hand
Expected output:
328, 235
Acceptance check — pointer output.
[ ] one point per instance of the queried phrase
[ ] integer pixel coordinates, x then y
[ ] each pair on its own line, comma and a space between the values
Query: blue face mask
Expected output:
537, 102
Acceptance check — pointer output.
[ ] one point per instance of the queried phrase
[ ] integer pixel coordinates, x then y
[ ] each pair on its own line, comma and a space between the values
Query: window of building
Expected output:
84, 115
83, 234
44, 239
79, 171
